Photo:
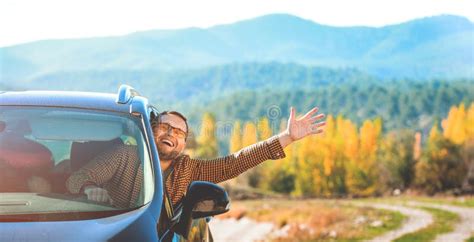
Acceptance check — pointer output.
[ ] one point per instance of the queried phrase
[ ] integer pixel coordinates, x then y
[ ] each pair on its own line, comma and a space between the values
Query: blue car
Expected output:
46, 136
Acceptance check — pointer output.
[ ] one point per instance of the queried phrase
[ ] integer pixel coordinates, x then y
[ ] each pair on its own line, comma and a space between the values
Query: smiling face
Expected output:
168, 136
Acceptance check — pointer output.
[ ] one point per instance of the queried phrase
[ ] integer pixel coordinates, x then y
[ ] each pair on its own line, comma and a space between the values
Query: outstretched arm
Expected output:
228, 167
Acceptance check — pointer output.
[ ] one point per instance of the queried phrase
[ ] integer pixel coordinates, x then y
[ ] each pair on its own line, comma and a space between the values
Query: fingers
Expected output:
311, 112
292, 113
97, 194
317, 131
102, 195
316, 118
318, 128
317, 125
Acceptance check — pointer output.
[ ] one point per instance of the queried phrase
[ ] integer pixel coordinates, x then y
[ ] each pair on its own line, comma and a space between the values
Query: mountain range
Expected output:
433, 47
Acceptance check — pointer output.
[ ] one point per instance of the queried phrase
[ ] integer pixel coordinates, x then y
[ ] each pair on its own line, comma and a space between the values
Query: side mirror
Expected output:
202, 199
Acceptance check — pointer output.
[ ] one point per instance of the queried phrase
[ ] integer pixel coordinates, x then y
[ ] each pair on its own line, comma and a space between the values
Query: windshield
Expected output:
51, 157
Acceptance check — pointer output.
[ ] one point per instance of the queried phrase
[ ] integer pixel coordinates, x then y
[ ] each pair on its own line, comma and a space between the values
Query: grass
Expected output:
443, 223
466, 201
335, 220
318, 220
391, 220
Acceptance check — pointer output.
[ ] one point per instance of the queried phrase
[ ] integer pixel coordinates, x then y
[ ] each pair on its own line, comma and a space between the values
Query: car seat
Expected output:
20, 159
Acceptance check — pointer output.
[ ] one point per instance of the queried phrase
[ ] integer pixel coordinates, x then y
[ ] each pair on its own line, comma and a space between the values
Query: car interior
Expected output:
39, 151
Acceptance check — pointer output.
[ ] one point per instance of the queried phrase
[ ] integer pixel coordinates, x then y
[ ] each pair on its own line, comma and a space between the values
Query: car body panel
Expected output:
123, 227
85, 100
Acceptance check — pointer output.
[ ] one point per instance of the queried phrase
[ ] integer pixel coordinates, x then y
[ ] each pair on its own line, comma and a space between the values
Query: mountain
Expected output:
440, 46
182, 87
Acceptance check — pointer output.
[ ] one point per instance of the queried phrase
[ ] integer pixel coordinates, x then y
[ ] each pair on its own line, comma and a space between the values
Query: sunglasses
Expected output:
166, 128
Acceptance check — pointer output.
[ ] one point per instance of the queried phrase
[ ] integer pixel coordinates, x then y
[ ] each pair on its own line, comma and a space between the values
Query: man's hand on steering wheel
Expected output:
97, 194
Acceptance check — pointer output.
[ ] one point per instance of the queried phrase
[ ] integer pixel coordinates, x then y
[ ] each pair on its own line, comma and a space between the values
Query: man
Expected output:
170, 131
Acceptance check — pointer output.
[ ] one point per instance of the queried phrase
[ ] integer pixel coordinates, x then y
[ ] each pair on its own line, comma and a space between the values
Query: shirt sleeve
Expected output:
98, 171
227, 167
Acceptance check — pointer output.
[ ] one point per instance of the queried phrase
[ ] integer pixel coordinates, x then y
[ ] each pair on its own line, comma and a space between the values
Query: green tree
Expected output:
397, 159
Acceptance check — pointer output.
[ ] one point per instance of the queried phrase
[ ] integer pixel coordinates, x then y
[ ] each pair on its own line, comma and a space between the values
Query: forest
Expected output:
357, 160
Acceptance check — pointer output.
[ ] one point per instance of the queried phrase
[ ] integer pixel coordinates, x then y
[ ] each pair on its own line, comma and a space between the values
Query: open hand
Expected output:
299, 128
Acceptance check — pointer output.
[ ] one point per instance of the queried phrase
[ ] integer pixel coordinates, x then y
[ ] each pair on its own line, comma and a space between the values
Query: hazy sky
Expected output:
28, 20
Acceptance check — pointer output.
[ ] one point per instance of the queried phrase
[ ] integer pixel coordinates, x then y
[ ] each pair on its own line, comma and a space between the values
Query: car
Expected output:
45, 136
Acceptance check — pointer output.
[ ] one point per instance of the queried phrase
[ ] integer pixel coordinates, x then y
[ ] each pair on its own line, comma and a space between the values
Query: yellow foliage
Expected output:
207, 140
264, 129
369, 134
208, 130
351, 140
330, 129
342, 159
458, 126
434, 133
249, 136
470, 122
459, 129
236, 138
328, 164
447, 124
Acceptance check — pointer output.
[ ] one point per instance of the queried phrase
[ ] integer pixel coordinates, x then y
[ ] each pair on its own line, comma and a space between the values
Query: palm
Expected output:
299, 128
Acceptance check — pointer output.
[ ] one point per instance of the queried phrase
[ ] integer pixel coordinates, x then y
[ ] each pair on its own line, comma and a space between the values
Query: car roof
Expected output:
86, 100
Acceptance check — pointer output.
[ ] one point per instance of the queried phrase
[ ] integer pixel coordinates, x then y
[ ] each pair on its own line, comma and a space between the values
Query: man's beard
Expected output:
168, 155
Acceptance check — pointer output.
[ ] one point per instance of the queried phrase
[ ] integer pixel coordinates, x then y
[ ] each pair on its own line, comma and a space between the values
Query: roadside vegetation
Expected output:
328, 220
463, 201
356, 160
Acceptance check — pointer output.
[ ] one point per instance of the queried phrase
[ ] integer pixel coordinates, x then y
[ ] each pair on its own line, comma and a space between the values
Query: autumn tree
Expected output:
207, 140
455, 125
264, 129
440, 166
249, 135
235, 143
362, 175
458, 128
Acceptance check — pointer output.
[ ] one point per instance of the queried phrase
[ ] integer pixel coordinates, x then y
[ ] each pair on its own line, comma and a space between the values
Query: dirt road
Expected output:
416, 219
244, 230
462, 230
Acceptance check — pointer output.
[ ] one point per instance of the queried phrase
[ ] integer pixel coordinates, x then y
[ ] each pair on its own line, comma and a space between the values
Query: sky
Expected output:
24, 21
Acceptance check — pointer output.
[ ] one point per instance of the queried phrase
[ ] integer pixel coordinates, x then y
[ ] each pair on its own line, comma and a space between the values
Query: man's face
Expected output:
168, 136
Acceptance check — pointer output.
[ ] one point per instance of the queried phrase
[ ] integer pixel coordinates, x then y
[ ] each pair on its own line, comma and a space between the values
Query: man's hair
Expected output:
157, 119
